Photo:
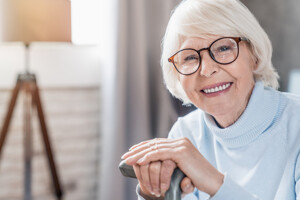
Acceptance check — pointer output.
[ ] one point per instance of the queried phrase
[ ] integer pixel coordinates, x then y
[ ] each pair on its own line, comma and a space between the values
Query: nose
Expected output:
208, 66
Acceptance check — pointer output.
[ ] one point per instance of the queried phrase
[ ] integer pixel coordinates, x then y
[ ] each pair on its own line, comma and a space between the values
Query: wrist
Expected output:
216, 184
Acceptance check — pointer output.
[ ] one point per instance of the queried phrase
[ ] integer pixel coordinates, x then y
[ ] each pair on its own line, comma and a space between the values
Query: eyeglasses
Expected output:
223, 51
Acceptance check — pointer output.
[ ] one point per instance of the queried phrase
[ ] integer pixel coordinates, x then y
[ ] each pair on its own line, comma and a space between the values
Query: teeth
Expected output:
217, 89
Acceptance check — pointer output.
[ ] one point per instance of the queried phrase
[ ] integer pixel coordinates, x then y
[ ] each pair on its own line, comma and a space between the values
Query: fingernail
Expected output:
157, 192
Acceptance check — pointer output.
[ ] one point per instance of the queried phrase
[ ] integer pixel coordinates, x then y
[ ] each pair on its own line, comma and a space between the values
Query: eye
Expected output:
223, 48
191, 57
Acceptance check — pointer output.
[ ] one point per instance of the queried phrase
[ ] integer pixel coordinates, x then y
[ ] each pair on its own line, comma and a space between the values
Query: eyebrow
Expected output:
184, 47
189, 44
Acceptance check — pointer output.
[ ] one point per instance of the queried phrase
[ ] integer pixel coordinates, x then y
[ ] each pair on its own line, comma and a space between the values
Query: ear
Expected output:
255, 66
255, 61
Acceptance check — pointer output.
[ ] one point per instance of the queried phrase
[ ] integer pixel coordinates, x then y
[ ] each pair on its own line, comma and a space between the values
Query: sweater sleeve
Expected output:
233, 191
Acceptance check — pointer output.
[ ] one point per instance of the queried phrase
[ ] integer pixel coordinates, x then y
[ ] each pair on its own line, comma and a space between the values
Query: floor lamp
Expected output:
31, 21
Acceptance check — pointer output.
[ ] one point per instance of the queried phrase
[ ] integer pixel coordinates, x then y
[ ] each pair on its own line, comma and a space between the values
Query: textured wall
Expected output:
281, 20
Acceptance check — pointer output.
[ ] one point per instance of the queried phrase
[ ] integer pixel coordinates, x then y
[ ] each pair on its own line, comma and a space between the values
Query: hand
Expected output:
154, 179
183, 153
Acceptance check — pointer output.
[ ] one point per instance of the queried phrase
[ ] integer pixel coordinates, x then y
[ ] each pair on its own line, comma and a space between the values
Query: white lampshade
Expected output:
35, 20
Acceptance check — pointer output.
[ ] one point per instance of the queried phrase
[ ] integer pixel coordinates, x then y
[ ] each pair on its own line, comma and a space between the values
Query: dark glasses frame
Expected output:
236, 39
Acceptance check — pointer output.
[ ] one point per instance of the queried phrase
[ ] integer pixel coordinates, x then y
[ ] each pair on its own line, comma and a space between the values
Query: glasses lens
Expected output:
225, 50
186, 61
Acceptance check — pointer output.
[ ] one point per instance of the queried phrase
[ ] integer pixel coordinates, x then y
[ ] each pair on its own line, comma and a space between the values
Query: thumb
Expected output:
187, 186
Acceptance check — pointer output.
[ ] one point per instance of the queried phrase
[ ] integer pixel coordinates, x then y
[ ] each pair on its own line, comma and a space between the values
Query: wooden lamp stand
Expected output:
27, 82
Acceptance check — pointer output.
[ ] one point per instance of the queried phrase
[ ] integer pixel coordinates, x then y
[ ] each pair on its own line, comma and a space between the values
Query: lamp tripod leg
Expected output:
8, 116
27, 140
32, 99
56, 182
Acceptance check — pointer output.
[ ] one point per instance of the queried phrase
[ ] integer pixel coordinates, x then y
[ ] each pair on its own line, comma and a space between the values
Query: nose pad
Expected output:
208, 66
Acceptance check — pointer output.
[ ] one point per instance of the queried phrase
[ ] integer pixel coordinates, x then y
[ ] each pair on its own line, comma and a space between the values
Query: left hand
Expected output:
192, 163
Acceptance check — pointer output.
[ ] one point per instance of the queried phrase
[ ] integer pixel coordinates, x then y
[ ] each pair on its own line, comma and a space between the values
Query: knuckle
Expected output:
168, 164
155, 167
180, 150
167, 170
185, 141
144, 168
146, 156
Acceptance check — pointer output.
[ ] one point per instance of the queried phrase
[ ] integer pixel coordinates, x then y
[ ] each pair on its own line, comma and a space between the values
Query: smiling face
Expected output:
222, 91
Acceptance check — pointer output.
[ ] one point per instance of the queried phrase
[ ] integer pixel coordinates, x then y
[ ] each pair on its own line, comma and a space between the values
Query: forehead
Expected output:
198, 42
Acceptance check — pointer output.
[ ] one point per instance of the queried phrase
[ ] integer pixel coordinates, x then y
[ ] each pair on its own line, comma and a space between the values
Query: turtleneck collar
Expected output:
257, 117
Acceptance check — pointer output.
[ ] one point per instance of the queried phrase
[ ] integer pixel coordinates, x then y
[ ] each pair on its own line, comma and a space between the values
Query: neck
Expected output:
230, 118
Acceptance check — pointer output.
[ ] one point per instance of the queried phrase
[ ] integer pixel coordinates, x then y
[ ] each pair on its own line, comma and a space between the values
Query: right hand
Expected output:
155, 177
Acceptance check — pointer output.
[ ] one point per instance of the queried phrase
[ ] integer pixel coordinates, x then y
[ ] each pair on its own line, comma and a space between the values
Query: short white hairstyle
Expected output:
203, 18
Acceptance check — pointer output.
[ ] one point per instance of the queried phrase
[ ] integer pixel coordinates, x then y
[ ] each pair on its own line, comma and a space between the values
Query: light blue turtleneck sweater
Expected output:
258, 154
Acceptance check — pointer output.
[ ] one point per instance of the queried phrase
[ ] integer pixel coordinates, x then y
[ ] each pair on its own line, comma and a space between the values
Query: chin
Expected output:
219, 110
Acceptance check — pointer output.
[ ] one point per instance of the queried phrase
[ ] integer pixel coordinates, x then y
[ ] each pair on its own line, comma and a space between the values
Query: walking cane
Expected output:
173, 193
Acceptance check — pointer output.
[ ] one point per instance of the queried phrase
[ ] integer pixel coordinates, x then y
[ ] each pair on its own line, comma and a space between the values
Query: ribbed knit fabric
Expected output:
258, 154
260, 112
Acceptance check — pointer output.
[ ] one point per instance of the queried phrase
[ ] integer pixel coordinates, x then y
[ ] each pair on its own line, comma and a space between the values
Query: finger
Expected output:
149, 145
145, 177
186, 185
138, 155
131, 160
137, 171
139, 144
166, 172
144, 142
158, 154
154, 170
136, 148
133, 156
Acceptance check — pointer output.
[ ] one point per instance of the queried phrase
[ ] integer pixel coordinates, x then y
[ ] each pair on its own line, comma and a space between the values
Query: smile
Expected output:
216, 89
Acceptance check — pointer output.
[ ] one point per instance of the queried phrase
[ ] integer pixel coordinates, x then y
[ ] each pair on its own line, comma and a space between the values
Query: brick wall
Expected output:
72, 116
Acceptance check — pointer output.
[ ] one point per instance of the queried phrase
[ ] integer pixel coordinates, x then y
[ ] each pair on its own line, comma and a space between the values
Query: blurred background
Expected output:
97, 64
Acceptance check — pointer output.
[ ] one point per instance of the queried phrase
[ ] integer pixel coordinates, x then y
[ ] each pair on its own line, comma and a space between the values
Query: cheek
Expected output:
184, 82
187, 84
189, 87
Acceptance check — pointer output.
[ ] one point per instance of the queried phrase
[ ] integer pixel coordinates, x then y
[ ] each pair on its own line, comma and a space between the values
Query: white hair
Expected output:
202, 18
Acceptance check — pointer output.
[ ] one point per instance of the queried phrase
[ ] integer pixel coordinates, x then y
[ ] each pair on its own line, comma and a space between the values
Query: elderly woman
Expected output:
243, 141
